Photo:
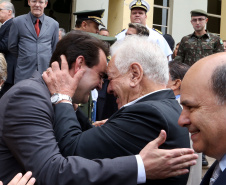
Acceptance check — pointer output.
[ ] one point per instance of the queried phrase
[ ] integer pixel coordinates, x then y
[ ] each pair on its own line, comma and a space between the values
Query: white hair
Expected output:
9, 6
139, 49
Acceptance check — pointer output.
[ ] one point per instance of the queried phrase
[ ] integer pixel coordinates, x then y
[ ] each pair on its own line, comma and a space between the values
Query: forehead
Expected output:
112, 69
102, 65
135, 10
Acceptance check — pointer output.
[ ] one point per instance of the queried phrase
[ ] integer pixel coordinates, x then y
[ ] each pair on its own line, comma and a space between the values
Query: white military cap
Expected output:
139, 4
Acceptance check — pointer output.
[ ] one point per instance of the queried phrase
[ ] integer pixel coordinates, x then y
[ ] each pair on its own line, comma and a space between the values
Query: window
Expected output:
160, 17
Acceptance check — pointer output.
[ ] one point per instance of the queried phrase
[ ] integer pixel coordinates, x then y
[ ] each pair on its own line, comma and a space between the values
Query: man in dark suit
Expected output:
7, 12
27, 141
33, 38
204, 112
145, 108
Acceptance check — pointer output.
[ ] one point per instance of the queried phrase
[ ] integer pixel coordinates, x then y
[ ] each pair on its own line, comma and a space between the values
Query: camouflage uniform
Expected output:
192, 47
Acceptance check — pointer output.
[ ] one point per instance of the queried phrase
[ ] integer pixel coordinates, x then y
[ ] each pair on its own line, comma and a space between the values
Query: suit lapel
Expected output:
45, 26
29, 25
221, 179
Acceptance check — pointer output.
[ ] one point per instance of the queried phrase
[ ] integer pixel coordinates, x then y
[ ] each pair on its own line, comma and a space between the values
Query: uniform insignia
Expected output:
157, 31
221, 41
120, 31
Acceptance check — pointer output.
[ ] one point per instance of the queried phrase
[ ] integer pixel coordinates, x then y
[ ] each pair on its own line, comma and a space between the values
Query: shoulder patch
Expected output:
157, 31
120, 31
221, 41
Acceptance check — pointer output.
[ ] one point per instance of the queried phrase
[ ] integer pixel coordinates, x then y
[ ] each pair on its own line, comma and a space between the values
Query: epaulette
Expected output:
120, 31
157, 31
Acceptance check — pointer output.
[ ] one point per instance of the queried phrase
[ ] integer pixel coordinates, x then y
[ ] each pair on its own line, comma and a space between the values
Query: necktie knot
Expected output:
37, 29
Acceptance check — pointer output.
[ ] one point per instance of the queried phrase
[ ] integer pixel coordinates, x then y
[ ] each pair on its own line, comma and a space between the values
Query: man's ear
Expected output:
207, 20
79, 62
84, 25
176, 84
136, 74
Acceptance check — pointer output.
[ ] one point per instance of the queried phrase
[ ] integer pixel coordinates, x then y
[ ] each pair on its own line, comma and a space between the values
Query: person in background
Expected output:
7, 13
224, 42
170, 41
104, 32
3, 70
201, 42
175, 50
138, 29
32, 39
89, 20
62, 33
139, 9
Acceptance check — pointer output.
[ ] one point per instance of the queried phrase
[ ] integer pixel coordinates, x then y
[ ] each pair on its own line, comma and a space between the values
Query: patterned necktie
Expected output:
216, 173
37, 29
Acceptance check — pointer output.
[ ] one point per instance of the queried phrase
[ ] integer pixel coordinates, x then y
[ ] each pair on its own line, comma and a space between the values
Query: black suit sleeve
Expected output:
29, 135
4, 38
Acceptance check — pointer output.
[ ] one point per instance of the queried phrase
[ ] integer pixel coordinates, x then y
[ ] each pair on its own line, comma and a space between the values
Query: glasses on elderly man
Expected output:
199, 19
35, 2
3, 9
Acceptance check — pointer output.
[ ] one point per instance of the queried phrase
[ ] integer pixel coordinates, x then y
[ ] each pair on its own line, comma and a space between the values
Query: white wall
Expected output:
181, 16
94, 5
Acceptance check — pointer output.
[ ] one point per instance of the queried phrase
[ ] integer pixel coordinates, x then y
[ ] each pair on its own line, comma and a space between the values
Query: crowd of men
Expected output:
164, 106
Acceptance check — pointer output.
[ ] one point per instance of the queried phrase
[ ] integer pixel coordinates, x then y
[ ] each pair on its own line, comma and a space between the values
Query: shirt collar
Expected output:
6, 21
222, 163
204, 35
33, 18
134, 101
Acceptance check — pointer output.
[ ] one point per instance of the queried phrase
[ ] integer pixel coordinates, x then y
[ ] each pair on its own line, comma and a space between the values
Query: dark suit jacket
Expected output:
10, 58
33, 53
126, 132
221, 180
27, 142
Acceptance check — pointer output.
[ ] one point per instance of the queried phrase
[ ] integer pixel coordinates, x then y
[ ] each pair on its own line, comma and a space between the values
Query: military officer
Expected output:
139, 9
200, 43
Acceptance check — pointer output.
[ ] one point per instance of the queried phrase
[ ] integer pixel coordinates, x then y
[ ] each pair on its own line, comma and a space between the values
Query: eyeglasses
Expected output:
199, 19
39, 2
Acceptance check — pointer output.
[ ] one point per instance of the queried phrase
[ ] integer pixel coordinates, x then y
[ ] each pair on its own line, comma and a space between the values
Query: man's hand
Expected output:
99, 123
19, 179
59, 80
160, 164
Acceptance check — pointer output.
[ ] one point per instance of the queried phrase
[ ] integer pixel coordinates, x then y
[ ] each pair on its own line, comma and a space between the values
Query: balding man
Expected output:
203, 95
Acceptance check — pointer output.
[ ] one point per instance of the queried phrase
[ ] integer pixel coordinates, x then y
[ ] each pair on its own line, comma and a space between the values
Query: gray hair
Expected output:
3, 68
63, 32
218, 83
9, 6
149, 55
140, 28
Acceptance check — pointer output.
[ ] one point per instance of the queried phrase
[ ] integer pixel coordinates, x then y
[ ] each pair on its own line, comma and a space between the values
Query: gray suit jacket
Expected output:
33, 53
27, 142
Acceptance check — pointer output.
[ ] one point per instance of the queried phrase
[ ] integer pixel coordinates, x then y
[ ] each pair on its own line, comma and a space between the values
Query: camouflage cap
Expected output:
94, 15
198, 12
139, 4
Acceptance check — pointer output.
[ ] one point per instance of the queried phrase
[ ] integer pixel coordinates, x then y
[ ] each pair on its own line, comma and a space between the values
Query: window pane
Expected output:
162, 2
160, 16
213, 25
214, 7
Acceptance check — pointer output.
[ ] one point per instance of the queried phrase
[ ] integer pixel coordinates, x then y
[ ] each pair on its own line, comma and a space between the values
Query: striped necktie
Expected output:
216, 173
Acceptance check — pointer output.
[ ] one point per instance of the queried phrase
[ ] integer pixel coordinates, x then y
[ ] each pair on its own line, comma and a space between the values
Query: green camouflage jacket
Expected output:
192, 48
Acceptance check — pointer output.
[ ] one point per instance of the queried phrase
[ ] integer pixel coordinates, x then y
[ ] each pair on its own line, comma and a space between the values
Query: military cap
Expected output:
198, 12
139, 4
110, 40
94, 15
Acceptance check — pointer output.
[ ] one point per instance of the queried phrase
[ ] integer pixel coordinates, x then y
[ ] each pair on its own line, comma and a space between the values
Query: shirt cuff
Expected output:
141, 175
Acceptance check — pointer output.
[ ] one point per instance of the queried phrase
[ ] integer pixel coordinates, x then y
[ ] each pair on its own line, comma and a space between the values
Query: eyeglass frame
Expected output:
39, 2
198, 20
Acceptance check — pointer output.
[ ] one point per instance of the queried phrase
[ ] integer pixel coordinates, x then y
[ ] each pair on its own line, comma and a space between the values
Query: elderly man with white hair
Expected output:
138, 74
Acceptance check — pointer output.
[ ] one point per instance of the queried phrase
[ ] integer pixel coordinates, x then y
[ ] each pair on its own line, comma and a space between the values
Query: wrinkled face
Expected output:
131, 31
4, 13
92, 79
118, 85
60, 37
199, 22
138, 15
37, 7
202, 116
92, 27
104, 33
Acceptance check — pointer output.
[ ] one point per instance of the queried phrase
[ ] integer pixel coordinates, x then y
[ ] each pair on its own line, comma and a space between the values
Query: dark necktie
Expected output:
37, 29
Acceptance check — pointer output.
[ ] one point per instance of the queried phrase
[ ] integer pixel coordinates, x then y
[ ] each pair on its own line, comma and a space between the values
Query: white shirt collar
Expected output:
222, 163
134, 101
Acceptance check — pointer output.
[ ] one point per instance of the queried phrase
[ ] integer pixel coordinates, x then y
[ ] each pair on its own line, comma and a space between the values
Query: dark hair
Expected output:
218, 84
78, 22
140, 28
177, 70
169, 39
78, 43
104, 29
